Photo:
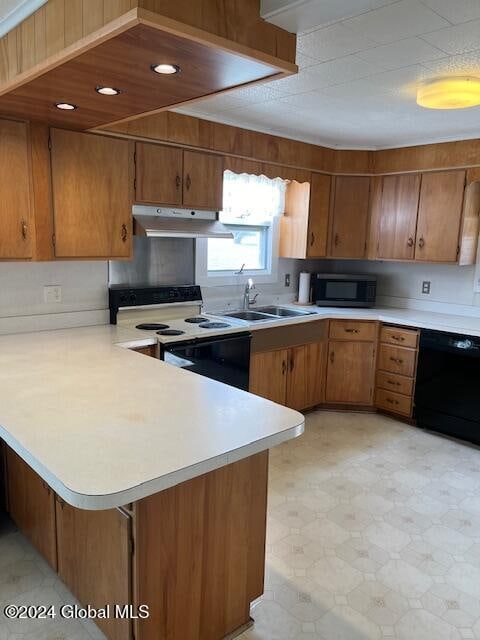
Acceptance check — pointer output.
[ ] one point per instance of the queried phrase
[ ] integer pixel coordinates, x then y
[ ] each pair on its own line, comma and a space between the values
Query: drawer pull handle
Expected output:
397, 360
390, 401
178, 181
124, 233
399, 338
312, 239
352, 331
394, 383
332, 356
410, 242
421, 243
24, 227
337, 240
188, 182
284, 368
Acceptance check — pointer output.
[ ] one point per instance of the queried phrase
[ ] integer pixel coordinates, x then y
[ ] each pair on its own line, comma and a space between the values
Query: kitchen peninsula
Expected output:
140, 483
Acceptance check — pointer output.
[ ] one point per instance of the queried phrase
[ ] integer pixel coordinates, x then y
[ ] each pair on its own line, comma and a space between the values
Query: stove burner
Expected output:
196, 320
170, 332
214, 325
152, 326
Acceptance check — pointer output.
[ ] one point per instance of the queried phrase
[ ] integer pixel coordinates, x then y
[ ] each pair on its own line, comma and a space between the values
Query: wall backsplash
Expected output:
400, 284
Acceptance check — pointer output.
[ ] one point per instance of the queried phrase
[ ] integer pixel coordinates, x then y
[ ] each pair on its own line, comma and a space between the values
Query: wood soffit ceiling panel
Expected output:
120, 55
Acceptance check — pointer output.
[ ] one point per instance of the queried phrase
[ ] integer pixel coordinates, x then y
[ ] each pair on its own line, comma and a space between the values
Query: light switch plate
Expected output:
52, 293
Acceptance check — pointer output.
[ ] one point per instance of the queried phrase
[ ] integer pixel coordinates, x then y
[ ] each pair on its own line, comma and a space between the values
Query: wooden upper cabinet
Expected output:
349, 222
318, 216
16, 199
92, 184
440, 216
202, 180
398, 217
158, 174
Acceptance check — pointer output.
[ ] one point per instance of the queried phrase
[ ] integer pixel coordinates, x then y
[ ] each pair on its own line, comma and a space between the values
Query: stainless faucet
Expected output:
247, 301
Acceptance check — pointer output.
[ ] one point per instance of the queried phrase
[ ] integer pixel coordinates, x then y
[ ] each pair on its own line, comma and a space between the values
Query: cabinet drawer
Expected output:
400, 337
397, 359
393, 402
352, 330
394, 382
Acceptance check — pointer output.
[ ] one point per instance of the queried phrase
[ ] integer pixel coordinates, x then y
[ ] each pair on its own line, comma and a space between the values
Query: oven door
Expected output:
223, 358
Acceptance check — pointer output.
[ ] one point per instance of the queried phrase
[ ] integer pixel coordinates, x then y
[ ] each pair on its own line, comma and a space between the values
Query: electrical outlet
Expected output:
287, 279
426, 287
52, 293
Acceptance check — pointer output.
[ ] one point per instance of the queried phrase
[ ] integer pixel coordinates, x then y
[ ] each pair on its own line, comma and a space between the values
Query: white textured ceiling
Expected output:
360, 64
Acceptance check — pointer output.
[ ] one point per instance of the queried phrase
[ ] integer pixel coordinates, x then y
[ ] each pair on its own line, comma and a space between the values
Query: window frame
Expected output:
204, 277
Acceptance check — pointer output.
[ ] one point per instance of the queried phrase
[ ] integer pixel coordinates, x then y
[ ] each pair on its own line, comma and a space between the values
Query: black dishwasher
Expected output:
447, 395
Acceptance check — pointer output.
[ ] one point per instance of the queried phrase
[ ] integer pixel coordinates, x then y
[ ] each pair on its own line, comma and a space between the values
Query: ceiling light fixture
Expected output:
450, 93
66, 106
165, 69
108, 91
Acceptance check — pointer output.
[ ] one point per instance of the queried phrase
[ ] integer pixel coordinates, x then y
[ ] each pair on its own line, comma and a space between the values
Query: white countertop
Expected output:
407, 317
105, 426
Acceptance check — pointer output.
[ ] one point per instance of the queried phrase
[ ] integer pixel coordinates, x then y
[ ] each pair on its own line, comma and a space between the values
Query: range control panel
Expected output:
120, 296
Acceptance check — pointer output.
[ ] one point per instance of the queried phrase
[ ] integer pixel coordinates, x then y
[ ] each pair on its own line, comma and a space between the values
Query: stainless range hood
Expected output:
158, 222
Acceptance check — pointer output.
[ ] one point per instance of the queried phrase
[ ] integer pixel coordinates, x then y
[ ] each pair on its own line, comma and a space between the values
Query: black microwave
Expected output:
339, 290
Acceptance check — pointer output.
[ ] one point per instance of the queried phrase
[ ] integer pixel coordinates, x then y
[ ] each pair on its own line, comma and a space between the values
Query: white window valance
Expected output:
251, 198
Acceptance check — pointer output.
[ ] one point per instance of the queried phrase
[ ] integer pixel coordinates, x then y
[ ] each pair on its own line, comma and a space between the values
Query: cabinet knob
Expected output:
410, 242
332, 356
421, 243
188, 181
284, 367
312, 239
336, 240
24, 227
124, 233
178, 181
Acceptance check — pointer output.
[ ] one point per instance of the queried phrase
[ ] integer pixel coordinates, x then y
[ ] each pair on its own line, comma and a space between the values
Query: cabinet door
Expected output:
398, 217
350, 373
158, 174
92, 178
31, 505
296, 378
16, 201
439, 216
318, 216
202, 181
94, 560
350, 217
315, 373
268, 375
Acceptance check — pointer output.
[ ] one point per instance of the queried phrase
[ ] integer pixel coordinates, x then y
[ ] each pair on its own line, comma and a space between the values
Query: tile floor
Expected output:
374, 532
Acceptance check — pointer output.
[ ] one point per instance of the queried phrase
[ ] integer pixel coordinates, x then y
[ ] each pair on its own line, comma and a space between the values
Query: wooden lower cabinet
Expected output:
94, 560
350, 373
268, 375
31, 505
294, 377
200, 553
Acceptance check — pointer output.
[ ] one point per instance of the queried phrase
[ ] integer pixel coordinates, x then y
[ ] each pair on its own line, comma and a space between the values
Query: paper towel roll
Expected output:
304, 288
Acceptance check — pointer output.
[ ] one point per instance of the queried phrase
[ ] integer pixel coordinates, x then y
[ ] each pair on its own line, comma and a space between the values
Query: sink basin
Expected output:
282, 312
251, 316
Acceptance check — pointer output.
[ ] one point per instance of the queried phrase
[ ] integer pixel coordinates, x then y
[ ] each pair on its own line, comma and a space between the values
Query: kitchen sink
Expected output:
250, 316
282, 312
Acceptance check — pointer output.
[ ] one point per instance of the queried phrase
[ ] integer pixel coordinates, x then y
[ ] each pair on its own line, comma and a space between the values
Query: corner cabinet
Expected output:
349, 217
16, 203
92, 195
167, 175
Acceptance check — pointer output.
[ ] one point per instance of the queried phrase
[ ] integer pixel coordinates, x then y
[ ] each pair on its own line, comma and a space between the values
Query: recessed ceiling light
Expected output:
449, 93
165, 69
108, 91
66, 106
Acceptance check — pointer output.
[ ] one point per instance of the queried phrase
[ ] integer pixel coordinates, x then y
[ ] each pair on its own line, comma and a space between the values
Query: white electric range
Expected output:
203, 343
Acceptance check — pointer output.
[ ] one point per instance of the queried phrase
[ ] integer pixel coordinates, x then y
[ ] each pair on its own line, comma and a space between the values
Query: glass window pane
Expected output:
247, 247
